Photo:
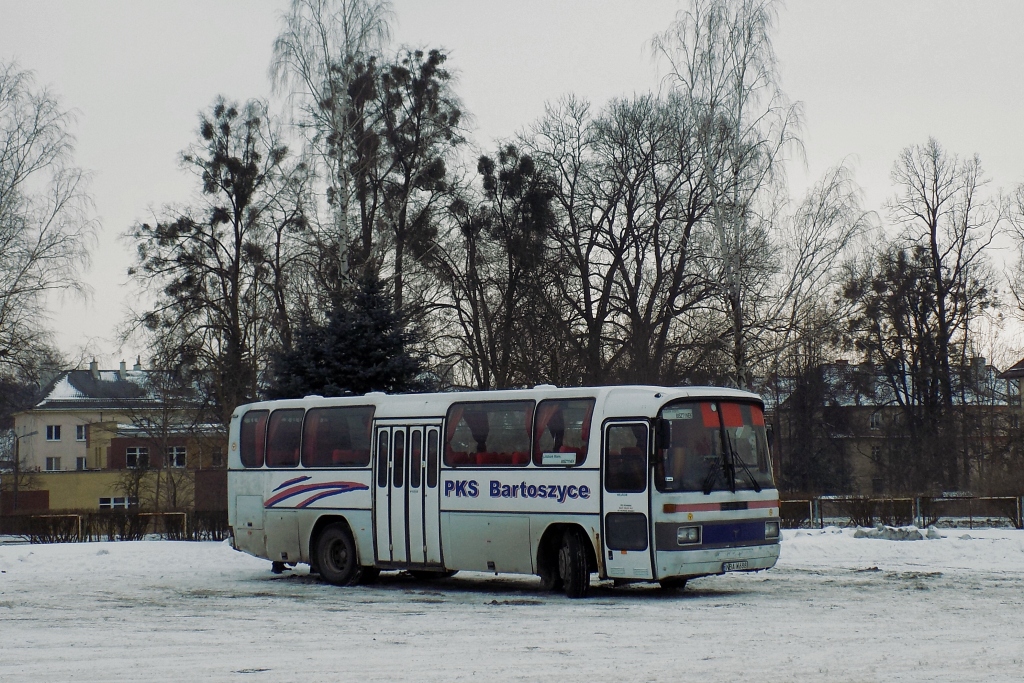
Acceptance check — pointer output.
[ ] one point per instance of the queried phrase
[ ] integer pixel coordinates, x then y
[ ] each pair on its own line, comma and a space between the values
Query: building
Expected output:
108, 439
842, 429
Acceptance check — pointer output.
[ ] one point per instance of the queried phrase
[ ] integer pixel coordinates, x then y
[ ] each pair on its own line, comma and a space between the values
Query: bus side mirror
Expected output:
662, 434
770, 433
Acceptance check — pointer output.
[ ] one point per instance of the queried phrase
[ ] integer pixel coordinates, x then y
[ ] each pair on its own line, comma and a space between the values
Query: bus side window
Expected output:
283, 435
626, 459
562, 432
399, 461
382, 459
415, 459
432, 459
337, 437
489, 433
253, 438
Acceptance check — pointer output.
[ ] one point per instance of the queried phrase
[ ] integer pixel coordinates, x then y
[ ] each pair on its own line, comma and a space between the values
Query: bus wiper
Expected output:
712, 476
736, 457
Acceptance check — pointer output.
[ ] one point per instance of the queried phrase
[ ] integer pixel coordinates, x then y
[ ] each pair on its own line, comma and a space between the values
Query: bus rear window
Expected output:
253, 434
283, 435
337, 437
562, 432
489, 434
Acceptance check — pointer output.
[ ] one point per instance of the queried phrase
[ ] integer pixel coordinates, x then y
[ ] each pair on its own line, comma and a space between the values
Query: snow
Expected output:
64, 391
836, 608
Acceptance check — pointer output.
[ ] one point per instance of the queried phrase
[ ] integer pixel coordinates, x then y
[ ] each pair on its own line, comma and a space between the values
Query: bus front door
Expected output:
406, 503
625, 500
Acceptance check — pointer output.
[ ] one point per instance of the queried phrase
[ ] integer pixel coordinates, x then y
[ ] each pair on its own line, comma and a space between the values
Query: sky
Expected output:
872, 77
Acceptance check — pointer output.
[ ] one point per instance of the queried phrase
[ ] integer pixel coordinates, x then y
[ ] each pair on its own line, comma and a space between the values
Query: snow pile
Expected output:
900, 533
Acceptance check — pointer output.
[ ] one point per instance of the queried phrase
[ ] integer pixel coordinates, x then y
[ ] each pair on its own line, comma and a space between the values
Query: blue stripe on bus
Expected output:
736, 532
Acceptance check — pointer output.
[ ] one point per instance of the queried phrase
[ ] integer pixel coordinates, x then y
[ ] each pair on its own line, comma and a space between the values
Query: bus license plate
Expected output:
734, 566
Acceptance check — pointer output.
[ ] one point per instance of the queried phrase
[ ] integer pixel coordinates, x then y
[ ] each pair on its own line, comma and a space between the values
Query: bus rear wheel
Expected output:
336, 556
572, 565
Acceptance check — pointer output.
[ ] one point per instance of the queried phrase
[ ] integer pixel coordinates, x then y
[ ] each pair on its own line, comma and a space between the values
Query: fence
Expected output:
922, 511
116, 526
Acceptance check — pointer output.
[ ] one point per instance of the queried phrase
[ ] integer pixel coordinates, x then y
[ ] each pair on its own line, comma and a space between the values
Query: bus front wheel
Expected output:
572, 565
336, 556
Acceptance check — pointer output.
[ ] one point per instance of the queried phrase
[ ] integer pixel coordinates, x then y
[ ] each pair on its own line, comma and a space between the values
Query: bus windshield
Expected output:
714, 446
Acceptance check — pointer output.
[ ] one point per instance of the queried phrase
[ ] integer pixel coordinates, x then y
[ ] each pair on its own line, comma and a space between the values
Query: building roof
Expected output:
1014, 372
98, 390
866, 385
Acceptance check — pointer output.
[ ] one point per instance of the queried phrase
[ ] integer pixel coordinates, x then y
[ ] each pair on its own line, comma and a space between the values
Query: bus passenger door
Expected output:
625, 500
406, 502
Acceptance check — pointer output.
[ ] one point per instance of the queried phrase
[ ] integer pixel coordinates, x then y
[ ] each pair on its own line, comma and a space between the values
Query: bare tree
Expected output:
813, 249
631, 194
722, 63
45, 224
918, 304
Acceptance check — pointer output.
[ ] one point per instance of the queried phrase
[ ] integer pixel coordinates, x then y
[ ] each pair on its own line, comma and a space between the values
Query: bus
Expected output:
631, 483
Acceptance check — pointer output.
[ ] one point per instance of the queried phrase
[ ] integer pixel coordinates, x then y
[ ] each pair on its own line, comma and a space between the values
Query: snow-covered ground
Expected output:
836, 608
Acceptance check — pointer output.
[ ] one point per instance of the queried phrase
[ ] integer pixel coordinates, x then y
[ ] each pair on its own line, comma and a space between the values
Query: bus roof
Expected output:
638, 400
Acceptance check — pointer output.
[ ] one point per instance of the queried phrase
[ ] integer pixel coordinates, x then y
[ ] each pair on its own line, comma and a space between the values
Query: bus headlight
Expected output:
771, 530
688, 535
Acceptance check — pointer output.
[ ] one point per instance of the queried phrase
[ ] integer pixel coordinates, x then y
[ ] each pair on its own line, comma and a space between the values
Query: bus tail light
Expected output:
688, 535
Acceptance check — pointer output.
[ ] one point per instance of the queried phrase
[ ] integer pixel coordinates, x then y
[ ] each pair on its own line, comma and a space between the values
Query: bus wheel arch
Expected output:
565, 559
333, 552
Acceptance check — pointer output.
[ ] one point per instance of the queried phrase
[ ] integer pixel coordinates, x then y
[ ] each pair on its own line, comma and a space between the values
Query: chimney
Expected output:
123, 371
94, 369
138, 364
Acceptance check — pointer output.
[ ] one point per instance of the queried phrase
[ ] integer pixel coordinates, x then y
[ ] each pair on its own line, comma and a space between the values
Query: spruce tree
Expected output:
362, 346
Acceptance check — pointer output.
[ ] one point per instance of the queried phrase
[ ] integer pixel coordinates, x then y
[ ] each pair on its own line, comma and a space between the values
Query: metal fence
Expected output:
922, 511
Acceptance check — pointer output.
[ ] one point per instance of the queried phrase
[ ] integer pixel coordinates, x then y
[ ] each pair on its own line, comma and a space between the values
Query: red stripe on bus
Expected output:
694, 507
756, 504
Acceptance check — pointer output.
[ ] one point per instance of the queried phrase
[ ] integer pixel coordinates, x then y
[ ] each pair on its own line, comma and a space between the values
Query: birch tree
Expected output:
320, 62
722, 63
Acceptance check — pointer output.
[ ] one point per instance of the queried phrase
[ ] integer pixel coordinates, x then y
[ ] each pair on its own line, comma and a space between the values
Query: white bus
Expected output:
632, 483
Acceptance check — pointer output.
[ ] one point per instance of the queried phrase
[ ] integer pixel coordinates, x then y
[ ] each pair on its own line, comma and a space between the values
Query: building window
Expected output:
176, 456
876, 453
136, 457
876, 420
878, 485
79, 432
52, 464
80, 464
53, 432
114, 503
217, 458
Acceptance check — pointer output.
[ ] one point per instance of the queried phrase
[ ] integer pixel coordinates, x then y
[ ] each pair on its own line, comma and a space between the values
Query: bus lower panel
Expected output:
704, 562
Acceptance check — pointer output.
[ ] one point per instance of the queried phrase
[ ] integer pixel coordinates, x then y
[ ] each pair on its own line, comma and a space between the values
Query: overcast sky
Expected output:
873, 76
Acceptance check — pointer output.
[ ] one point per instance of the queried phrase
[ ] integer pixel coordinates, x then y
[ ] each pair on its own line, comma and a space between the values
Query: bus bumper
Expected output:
693, 563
